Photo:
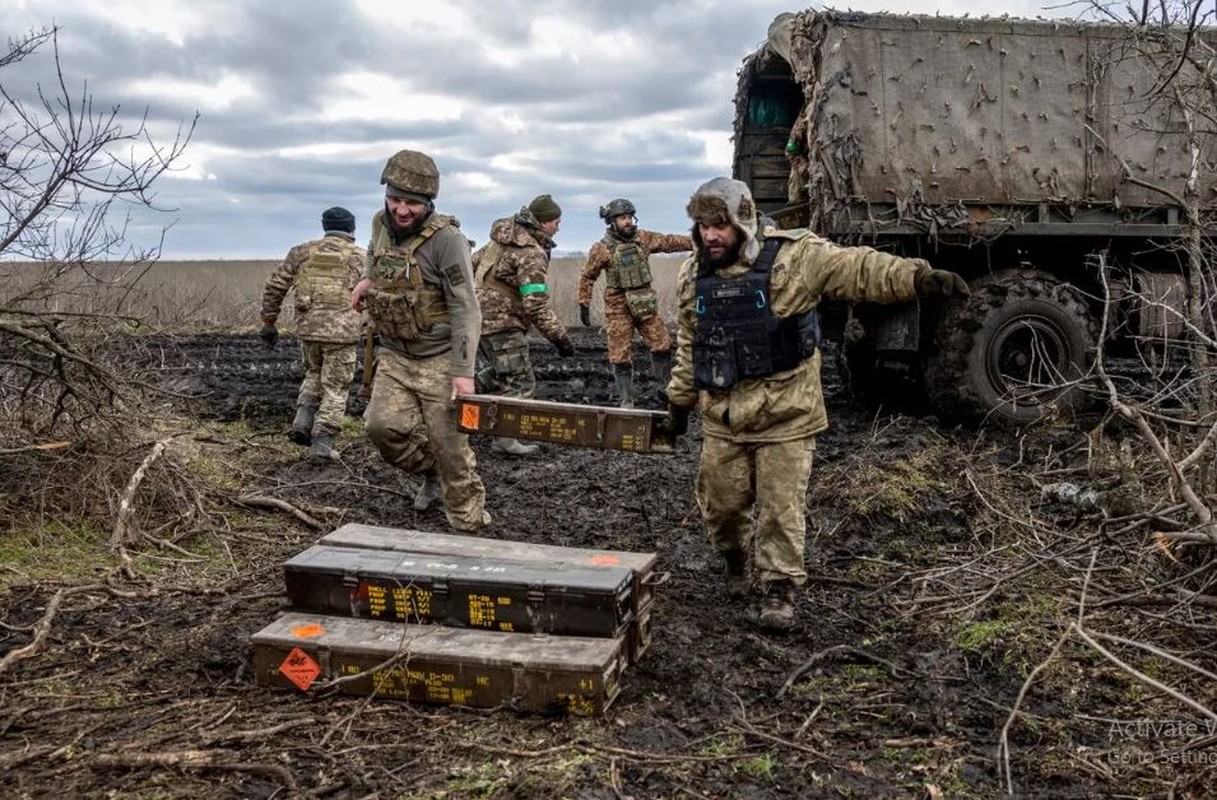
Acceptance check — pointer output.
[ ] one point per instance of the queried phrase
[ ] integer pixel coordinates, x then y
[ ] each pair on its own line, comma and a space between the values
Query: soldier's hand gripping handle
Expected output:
566, 348
269, 334
676, 423
932, 282
585, 316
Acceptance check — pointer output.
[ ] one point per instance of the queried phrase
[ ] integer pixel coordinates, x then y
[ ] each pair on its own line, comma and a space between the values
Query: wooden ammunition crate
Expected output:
563, 423
434, 664
475, 592
372, 537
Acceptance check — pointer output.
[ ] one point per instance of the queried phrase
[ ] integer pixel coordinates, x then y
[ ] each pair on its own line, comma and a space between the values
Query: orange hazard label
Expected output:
470, 416
604, 560
310, 630
300, 669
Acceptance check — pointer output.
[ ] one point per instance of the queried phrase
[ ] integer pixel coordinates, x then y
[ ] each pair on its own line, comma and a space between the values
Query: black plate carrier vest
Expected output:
737, 334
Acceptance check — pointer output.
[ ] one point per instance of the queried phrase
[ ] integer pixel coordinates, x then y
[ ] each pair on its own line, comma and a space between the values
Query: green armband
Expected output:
533, 288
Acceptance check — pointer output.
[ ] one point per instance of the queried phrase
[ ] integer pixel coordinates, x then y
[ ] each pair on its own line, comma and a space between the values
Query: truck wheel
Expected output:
1012, 350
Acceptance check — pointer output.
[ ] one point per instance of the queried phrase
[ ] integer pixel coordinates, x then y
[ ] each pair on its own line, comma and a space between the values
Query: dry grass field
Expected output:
225, 295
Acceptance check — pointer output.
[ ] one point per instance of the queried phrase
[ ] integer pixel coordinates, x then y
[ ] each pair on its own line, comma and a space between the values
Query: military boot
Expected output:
736, 563
302, 426
322, 449
624, 375
661, 368
512, 447
777, 606
428, 493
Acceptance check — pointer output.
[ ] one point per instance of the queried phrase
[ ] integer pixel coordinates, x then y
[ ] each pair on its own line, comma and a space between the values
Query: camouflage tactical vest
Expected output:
323, 289
628, 267
484, 262
400, 304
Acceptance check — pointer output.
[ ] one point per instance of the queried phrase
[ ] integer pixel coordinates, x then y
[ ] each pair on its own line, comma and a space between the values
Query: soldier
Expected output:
746, 354
321, 273
629, 301
513, 292
418, 290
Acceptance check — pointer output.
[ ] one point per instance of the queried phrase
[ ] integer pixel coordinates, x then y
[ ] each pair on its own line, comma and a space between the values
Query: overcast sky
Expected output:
300, 103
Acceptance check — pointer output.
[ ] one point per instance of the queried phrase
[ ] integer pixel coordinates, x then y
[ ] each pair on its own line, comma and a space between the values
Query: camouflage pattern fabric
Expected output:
513, 292
323, 309
408, 420
787, 405
506, 368
328, 372
726, 493
619, 323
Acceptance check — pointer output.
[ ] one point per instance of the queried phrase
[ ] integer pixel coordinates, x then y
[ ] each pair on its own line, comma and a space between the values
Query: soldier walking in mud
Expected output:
629, 301
321, 273
747, 356
418, 291
513, 291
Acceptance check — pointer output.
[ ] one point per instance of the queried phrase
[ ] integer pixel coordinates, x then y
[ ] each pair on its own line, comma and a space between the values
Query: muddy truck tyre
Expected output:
1013, 352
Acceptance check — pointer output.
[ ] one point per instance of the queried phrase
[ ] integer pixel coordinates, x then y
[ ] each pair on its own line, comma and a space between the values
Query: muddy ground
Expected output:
941, 576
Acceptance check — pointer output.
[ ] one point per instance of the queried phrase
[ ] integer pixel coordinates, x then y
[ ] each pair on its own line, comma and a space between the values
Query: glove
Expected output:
585, 316
931, 282
676, 423
565, 348
269, 334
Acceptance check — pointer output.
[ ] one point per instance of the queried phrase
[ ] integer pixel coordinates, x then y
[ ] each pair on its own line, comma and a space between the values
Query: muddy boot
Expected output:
737, 574
428, 493
624, 375
322, 449
467, 527
302, 426
777, 607
512, 447
661, 368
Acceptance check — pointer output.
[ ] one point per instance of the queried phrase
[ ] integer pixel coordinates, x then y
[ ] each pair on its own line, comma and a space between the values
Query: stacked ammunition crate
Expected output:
459, 619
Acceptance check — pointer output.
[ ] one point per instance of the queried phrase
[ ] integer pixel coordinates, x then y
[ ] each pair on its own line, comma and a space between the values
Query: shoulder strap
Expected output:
769, 252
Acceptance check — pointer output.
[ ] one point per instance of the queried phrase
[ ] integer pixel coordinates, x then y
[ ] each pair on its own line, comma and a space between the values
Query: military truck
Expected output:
1024, 155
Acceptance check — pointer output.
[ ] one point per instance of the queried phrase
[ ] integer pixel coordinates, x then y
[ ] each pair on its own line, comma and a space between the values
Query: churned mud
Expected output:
940, 579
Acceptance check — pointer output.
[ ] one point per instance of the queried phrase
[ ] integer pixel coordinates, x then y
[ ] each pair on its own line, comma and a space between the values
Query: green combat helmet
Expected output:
615, 208
412, 172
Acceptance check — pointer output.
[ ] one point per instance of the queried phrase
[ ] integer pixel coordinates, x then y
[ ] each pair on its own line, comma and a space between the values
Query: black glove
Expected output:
585, 316
676, 423
269, 334
931, 282
565, 348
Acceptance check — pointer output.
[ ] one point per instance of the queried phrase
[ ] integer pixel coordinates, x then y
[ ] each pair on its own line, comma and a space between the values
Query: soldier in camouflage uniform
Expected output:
321, 273
753, 370
512, 288
418, 290
629, 301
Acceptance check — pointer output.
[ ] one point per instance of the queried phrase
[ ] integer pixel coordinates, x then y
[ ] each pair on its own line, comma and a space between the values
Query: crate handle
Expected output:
656, 579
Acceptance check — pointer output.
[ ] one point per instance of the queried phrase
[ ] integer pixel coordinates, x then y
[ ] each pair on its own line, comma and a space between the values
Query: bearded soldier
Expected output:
746, 355
513, 292
629, 301
418, 290
321, 273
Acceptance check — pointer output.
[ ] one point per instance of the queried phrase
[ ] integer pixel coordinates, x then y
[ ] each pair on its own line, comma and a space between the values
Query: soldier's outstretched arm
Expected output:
667, 242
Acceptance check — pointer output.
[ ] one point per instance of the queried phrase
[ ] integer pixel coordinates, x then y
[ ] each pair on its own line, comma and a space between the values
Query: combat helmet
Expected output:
615, 208
413, 172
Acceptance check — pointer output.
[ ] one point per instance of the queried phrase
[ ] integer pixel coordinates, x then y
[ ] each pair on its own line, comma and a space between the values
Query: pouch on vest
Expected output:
322, 283
642, 303
628, 267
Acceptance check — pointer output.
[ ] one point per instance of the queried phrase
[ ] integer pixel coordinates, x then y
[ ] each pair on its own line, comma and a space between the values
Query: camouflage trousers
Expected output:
504, 366
619, 327
328, 371
773, 476
408, 420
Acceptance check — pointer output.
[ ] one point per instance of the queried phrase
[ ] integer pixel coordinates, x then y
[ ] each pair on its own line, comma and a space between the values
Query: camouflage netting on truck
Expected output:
945, 122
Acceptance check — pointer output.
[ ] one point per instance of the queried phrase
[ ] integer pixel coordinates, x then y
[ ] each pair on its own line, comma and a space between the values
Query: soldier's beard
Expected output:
414, 227
708, 263
627, 231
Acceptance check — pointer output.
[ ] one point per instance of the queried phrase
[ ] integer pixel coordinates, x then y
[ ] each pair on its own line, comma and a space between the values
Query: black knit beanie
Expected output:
337, 219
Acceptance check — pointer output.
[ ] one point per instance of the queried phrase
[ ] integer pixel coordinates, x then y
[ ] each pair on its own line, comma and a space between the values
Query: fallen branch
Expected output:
41, 629
121, 538
830, 651
257, 501
192, 759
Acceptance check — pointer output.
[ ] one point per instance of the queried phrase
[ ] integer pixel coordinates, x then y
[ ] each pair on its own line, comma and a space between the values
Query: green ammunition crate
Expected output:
487, 593
434, 664
606, 427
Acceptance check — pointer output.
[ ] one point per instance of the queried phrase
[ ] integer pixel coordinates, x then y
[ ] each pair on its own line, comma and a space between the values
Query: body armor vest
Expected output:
323, 280
737, 334
628, 267
400, 304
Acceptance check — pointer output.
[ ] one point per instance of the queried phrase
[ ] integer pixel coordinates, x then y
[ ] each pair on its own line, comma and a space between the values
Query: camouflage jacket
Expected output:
600, 257
786, 405
445, 287
321, 274
512, 272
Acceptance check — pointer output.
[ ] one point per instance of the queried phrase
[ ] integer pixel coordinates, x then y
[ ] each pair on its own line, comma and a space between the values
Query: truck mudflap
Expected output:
642, 566
610, 428
428, 663
469, 592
